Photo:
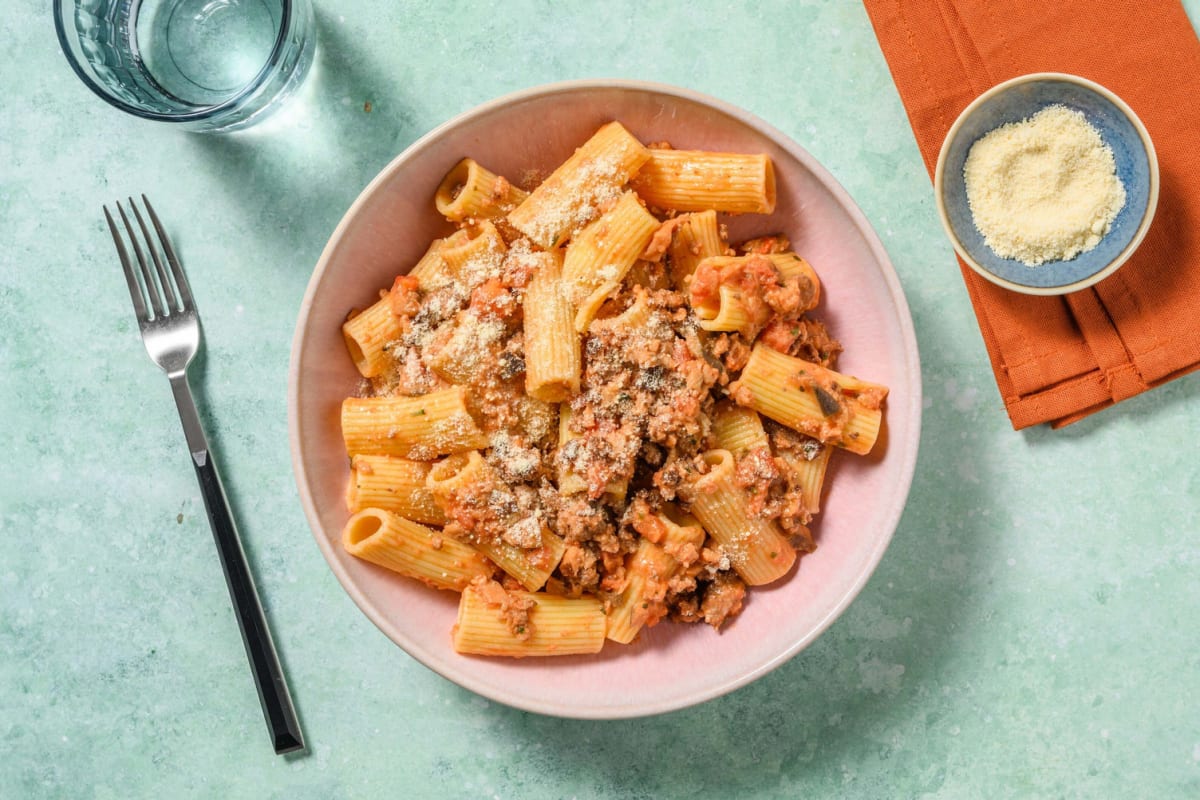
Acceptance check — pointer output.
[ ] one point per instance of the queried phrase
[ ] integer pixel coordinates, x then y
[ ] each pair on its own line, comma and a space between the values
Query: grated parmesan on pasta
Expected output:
584, 507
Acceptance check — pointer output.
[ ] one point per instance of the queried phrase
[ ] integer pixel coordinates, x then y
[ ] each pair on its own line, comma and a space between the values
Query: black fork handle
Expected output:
273, 694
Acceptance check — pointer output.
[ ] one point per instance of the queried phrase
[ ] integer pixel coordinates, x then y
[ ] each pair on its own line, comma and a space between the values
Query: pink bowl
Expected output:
672, 665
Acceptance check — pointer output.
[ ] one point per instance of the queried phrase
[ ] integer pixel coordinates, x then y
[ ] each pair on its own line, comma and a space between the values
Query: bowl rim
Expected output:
909, 443
1147, 217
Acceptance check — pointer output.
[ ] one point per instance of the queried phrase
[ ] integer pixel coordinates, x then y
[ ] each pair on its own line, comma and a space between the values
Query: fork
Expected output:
170, 328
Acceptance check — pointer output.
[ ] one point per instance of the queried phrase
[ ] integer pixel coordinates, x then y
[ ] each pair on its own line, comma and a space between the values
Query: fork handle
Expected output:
273, 692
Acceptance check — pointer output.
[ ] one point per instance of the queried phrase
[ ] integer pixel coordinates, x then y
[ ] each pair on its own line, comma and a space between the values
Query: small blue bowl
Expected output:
1016, 100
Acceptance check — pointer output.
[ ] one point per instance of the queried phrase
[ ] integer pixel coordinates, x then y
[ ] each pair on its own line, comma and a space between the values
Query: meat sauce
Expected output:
638, 425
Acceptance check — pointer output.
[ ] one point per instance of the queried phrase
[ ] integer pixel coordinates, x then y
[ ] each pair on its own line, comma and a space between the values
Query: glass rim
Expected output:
205, 113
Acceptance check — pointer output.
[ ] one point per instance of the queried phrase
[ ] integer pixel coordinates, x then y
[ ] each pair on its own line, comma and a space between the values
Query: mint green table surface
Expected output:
1031, 632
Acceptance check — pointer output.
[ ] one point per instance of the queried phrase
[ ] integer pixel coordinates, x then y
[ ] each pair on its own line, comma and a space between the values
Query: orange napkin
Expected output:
1059, 359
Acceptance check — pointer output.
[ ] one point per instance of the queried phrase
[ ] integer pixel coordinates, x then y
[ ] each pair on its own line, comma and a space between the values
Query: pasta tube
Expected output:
413, 550
531, 568
558, 626
452, 476
818, 402
696, 238
552, 358
469, 191
478, 258
757, 549
431, 271
589, 307
456, 483
791, 265
368, 332
420, 428
738, 429
730, 313
457, 359
697, 180
570, 482
570, 197
392, 484
600, 255
648, 570
728, 310
808, 474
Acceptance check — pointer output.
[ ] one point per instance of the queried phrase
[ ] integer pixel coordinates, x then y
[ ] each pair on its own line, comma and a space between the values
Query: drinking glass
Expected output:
204, 65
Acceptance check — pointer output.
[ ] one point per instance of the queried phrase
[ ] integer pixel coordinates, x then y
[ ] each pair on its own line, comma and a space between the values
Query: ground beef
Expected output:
513, 606
722, 599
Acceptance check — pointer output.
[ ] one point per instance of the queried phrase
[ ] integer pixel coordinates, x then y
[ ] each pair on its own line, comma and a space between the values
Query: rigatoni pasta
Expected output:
392, 484
471, 192
738, 429
413, 550
431, 272
831, 407
808, 473
642, 602
569, 481
411, 427
756, 548
552, 360
551, 626
599, 256
478, 257
367, 333
587, 410
572, 195
466, 487
739, 293
696, 237
696, 180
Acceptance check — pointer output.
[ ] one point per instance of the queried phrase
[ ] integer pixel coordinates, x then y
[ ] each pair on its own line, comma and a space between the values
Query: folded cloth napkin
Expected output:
1059, 359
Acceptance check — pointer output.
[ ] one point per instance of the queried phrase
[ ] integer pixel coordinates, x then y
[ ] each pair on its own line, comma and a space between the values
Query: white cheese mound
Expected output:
1043, 189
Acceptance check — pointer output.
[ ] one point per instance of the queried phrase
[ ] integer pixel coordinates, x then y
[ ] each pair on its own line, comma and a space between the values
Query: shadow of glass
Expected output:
293, 175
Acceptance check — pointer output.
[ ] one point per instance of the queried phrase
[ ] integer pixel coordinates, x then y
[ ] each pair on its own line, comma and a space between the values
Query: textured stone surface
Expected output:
1029, 633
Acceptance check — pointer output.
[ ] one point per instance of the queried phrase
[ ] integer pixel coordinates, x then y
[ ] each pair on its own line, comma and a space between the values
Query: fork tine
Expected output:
135, 289
185, 290
158, 266
151, 284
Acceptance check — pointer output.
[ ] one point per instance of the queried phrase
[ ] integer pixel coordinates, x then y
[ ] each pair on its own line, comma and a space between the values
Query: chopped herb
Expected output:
829, 403
511, 365
773, 554
520, 629
795, 331
420, 412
